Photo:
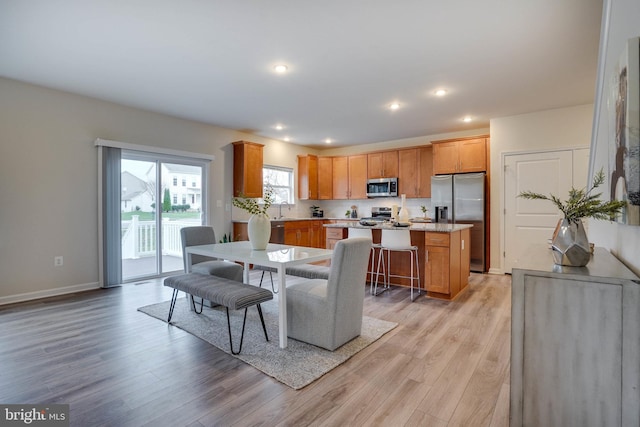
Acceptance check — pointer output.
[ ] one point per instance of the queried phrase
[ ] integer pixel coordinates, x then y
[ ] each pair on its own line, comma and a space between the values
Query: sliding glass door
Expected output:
159, 196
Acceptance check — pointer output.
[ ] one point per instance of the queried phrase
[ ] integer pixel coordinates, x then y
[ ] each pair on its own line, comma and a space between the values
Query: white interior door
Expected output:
533, 221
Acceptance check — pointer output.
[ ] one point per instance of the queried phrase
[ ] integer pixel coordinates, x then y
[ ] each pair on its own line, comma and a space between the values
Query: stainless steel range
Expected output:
379, 214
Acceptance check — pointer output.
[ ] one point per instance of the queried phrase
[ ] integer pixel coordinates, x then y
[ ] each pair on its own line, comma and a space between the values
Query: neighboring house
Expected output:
184, 184
135, 193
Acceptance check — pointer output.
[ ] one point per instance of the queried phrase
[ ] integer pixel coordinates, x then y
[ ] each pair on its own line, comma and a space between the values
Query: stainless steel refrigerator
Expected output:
459, 199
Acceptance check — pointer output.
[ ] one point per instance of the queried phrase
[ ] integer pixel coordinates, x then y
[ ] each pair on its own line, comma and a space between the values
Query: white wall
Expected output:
623, 24
544, 130
48, 180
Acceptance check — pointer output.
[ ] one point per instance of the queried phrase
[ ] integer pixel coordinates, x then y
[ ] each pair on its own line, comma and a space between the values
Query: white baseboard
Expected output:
495, 271
48, 293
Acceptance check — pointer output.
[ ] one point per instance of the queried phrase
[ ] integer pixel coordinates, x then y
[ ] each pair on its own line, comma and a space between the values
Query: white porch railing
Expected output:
139, 238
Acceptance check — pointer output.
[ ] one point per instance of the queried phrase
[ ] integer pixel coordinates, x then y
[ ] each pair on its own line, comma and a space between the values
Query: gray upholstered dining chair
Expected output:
204, 235
328, 313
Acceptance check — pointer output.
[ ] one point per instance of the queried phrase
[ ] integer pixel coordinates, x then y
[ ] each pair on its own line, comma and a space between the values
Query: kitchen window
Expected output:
281, 181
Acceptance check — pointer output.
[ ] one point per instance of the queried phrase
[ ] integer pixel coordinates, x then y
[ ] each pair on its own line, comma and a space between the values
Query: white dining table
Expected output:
277, 256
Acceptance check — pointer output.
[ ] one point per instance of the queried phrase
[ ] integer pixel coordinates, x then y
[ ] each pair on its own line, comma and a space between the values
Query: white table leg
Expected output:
245, 273
282, 295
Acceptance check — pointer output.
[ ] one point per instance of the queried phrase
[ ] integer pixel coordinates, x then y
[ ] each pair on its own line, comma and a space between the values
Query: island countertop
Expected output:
434, 227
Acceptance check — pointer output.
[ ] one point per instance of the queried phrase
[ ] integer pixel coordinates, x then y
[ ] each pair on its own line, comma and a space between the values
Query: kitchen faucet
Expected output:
280, 208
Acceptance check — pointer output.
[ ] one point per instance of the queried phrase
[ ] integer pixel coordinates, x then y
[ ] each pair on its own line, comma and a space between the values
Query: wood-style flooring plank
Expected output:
447, 363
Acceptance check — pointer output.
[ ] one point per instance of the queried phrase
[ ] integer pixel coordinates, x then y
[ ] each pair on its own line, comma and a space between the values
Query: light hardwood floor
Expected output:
446, 364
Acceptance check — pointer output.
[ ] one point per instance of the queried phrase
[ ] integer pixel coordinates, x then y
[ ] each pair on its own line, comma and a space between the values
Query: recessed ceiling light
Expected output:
467, 119
440, 92
280, 68
328, 141
279, 127
394, 106
286, 139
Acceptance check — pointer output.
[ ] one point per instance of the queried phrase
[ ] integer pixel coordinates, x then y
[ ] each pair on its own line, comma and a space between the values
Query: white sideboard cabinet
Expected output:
575, 342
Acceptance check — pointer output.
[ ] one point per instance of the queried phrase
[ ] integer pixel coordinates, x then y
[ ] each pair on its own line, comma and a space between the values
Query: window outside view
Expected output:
281, 181
145, 220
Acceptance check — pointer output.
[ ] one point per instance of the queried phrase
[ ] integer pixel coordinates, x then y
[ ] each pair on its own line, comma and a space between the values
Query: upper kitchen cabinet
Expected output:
358, 176
460, 155
415, 171
350, 177
308, 177
247, 169
382, 165
325, 182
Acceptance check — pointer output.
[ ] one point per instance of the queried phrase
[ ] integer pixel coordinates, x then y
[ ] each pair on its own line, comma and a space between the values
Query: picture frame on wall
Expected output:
624, 110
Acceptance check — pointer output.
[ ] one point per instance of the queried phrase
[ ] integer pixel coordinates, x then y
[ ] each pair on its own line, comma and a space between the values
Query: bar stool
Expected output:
366, 232
397, 241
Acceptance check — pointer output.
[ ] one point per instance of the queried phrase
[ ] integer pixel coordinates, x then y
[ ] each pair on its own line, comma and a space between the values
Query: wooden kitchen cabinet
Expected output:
460, 156
415, 169
350, 177
247, 169
447, 263
333, 235
358, 176
382, 165
308, 177
304, 233
325, 180
296, 233
340, 178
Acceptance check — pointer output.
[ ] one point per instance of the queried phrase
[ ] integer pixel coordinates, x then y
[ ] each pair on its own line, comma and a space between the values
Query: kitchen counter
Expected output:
287, 219
443, 253
435, 227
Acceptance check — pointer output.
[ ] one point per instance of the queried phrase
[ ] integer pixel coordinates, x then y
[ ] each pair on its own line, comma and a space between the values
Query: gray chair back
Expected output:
193, 236
346, 284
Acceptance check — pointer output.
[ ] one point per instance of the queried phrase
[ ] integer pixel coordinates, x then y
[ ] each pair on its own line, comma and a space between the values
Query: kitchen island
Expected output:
443, 253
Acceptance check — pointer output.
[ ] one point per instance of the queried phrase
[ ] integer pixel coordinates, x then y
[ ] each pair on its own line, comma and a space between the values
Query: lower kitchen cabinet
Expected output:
447, 259
303, 233
333, 235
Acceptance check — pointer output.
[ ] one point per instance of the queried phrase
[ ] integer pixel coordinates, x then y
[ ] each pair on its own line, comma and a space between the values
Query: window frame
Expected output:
290, 188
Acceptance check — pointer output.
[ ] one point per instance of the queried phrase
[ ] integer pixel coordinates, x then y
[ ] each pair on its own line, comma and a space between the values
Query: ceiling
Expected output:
212, 60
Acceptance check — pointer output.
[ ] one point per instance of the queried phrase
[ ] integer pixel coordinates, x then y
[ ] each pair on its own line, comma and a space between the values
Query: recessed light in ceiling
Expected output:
286, 139
279, 127
467, 119
394, 106
440, 92
280, 68
328, 141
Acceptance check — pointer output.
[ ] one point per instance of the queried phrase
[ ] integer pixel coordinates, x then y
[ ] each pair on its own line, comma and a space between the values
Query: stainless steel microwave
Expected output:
382, 187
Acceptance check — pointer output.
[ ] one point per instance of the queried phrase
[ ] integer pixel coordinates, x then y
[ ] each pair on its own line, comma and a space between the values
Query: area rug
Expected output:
296, 366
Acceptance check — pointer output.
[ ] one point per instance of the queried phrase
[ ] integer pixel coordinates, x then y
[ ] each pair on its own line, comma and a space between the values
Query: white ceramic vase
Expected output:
259, 230
404, 213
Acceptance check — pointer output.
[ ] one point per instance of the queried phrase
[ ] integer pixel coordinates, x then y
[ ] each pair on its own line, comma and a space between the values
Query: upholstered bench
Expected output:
225, 292
308, 271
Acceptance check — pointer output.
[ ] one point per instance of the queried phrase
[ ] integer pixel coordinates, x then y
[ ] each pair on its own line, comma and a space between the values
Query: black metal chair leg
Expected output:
273, 289
264, 328
193, 303
241, 336
271, 277
174, 297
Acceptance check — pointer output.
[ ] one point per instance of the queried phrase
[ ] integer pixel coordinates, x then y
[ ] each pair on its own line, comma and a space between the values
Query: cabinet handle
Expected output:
426, 256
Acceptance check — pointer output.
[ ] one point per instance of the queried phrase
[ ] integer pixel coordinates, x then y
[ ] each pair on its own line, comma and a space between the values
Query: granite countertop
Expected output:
440, 228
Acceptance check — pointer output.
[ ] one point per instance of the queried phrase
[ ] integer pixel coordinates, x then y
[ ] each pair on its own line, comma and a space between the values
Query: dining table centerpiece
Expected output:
259, 225
569, 242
